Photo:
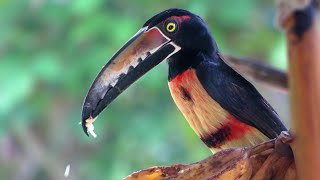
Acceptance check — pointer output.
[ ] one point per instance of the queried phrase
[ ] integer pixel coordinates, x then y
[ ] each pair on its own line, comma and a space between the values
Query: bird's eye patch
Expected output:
171, 27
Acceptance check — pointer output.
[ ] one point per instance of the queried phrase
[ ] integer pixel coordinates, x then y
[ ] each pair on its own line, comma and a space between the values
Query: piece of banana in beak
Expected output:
90, 127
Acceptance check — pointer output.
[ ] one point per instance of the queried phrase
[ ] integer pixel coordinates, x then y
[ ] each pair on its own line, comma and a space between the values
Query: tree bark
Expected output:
269, 160
303, 40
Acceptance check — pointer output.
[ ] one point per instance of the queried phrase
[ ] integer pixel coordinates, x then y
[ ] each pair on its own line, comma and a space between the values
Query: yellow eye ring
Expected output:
171, 27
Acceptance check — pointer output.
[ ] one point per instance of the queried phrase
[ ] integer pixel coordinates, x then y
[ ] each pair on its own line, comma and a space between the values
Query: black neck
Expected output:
183, 61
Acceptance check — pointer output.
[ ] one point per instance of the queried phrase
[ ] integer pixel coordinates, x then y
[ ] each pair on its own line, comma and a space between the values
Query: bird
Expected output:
222, 107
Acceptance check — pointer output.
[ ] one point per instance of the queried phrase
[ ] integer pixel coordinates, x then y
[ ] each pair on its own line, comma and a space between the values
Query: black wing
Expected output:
239, 97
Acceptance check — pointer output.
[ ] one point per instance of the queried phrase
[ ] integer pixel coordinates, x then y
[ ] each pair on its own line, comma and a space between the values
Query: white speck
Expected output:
90, 130
66, 172
181, 171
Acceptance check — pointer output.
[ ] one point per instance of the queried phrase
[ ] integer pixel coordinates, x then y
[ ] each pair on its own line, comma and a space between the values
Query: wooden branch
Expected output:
257, 71
269, 160
303, 38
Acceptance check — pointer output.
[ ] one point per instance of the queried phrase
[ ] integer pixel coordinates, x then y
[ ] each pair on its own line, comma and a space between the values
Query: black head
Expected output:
166, 35
190, 31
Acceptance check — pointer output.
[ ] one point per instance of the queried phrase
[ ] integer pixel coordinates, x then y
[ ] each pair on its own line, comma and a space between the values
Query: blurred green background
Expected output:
50, 53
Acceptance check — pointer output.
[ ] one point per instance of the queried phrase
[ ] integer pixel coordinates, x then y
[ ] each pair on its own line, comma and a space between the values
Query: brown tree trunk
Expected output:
303, 40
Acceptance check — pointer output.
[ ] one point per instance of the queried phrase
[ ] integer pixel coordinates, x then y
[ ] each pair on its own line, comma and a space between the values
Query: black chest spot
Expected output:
218, 138
185, 94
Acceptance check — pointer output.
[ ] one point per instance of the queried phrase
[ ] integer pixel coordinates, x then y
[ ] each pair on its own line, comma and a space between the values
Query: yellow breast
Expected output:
207, 118
195, 104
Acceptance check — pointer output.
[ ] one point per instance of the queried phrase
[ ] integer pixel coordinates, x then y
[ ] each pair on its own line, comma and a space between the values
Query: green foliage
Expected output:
50, 53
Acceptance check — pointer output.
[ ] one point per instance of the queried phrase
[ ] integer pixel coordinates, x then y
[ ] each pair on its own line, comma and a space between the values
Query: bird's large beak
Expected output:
146, 49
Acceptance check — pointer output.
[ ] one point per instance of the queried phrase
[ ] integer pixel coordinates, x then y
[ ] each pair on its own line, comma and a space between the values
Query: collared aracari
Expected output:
222, 107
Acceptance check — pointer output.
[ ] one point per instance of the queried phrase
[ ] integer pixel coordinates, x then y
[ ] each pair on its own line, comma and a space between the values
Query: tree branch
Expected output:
269, 160
303, 37
257, 71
